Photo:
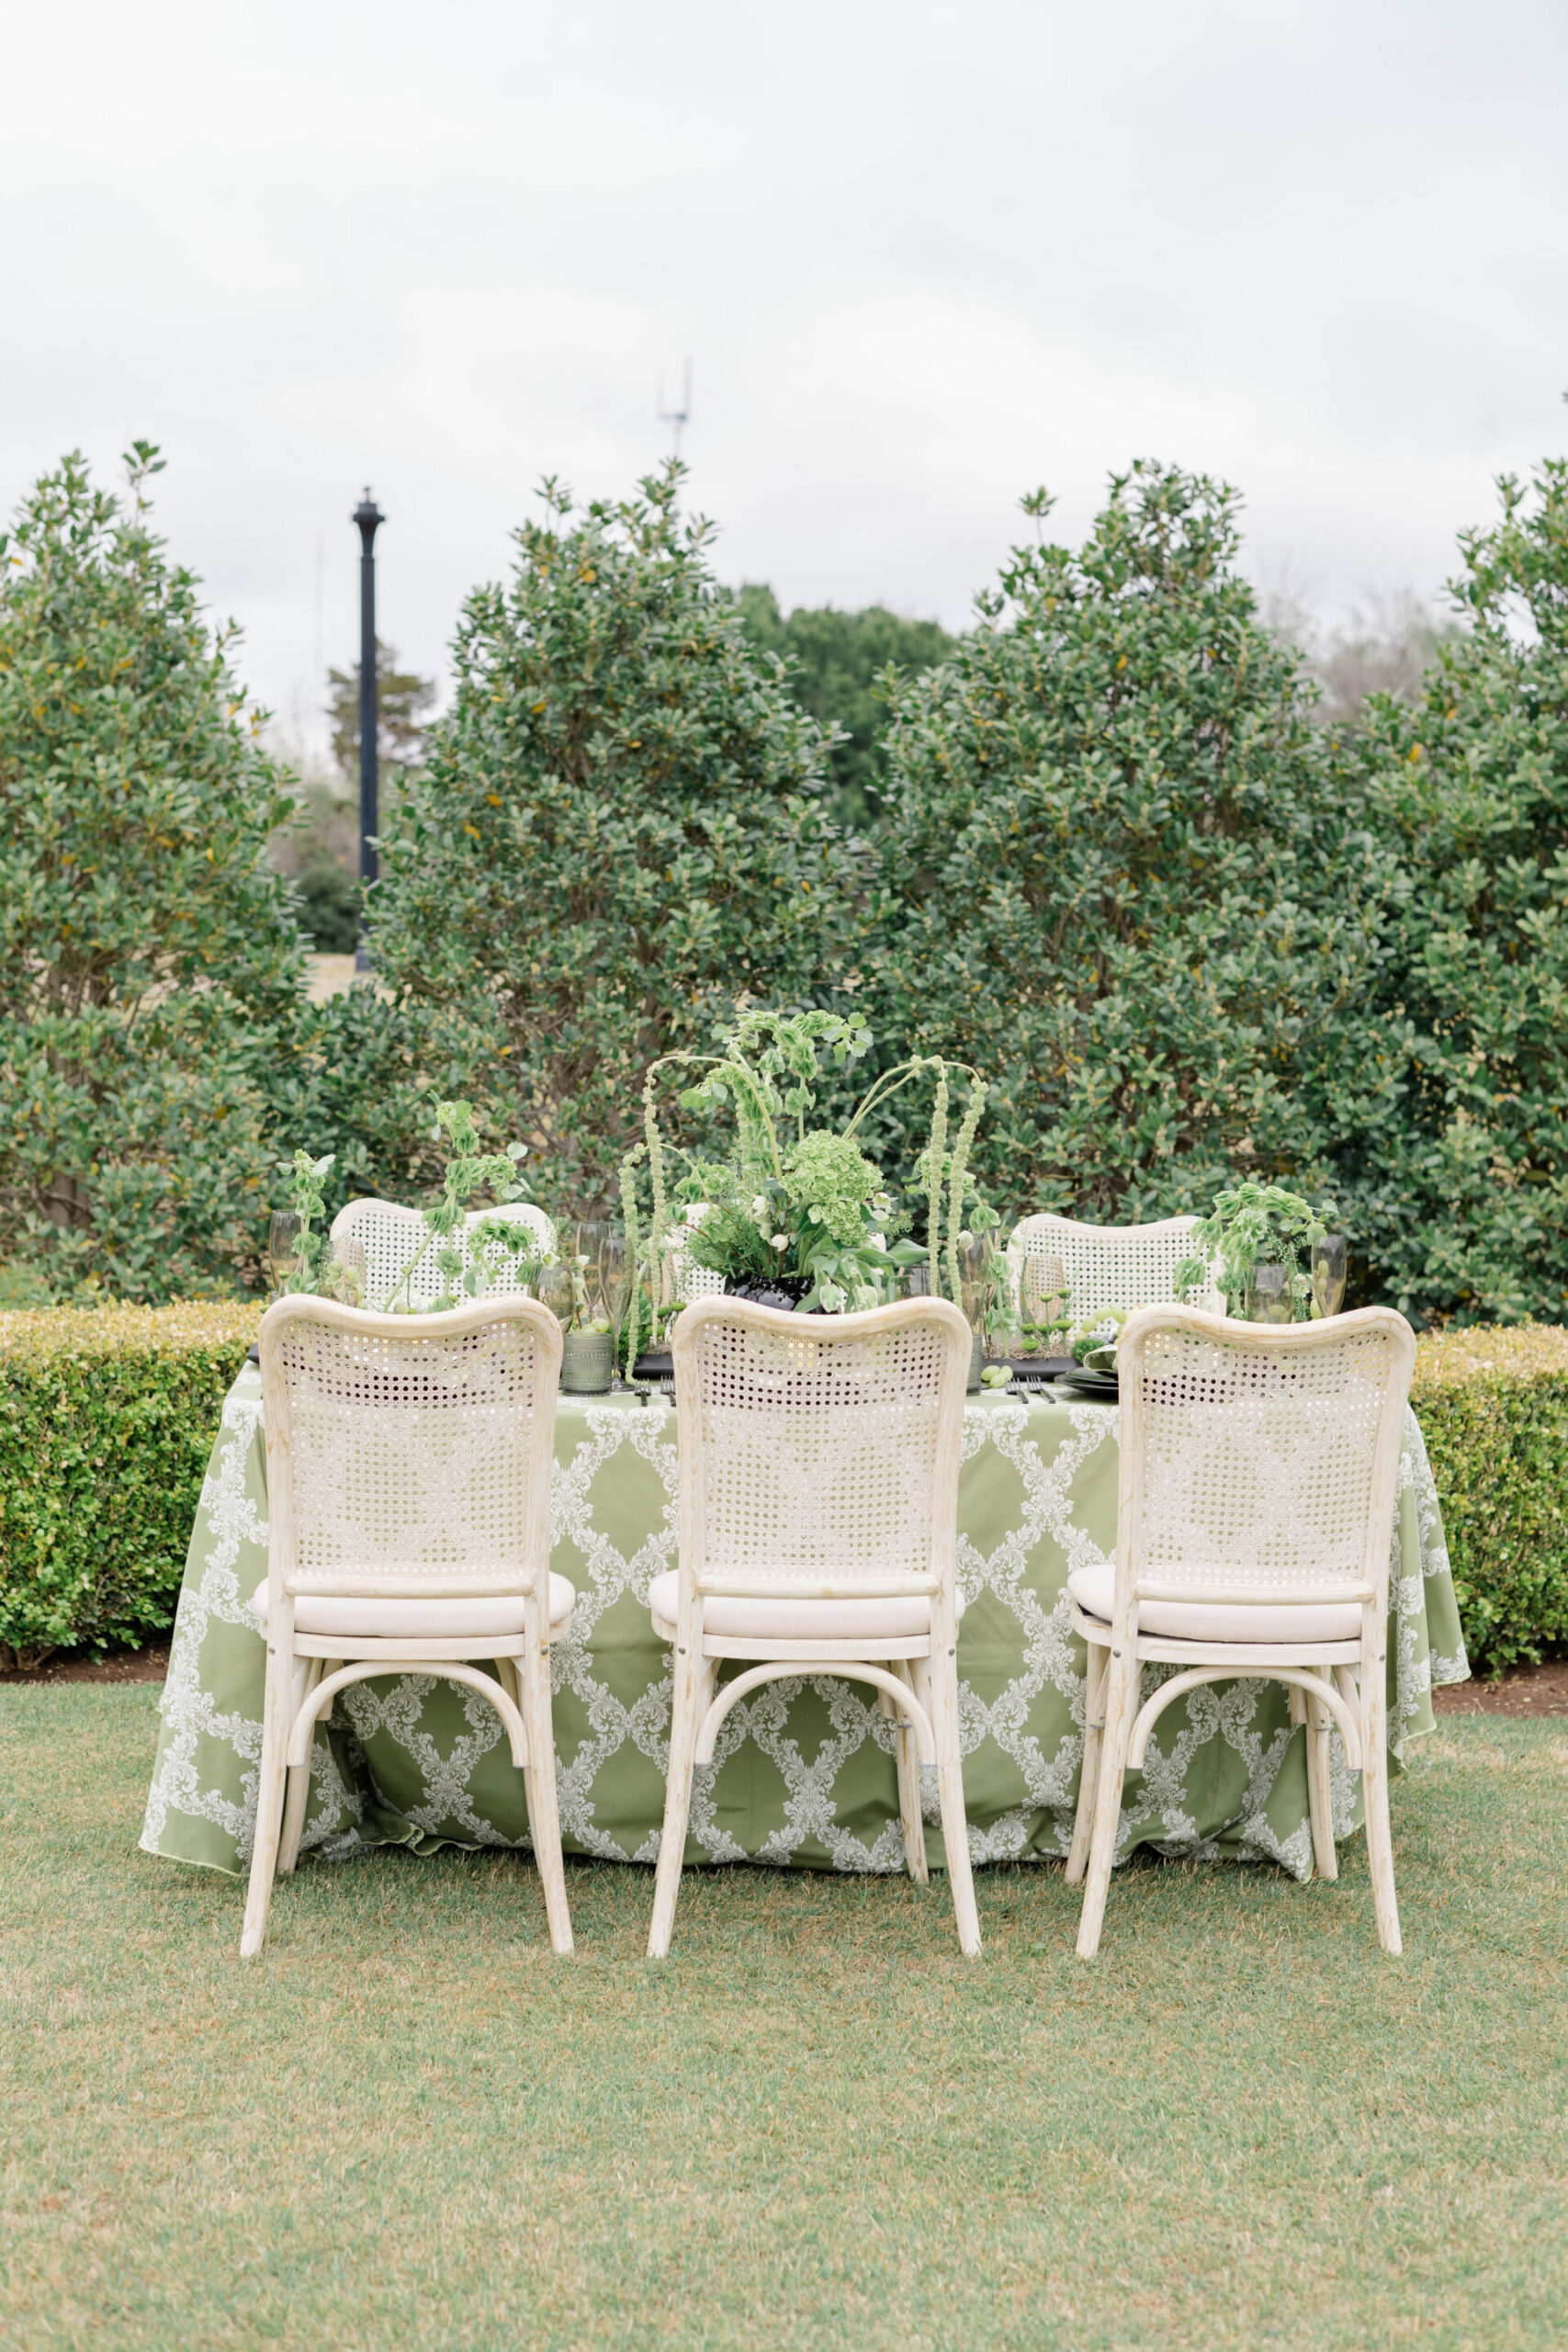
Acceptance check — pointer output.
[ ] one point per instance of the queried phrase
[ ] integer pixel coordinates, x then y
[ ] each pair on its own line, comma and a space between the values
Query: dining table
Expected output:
804, 1775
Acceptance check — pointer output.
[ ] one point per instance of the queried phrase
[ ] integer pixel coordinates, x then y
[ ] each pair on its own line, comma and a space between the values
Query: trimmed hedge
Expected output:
107, 1415
106, 1420
1493, 1404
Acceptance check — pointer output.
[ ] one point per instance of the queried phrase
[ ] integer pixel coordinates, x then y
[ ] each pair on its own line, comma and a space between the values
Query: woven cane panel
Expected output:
1256, 1467
392, 1235
411, 1456
1132, 1265
686, 1281
819, 1455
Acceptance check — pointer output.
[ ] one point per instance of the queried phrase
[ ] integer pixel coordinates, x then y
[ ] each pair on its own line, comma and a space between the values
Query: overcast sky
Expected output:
922, 258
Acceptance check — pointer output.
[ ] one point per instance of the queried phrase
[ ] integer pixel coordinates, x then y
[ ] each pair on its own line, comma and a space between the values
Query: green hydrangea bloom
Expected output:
824, 1174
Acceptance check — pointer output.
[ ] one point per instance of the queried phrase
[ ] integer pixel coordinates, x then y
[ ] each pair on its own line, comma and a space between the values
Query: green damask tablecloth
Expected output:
805, 1773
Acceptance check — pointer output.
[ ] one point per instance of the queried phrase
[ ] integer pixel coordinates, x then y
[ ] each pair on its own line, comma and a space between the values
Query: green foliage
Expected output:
1456, 1170
329, 907
150, 962
1493, 1406
1252, 1225
834, 1183
468, 1170
822, 1204
619, 830
837, 663
106, 1420
1122, 872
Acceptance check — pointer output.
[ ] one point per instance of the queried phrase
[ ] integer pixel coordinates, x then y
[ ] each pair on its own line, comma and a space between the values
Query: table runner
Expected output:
805, 1770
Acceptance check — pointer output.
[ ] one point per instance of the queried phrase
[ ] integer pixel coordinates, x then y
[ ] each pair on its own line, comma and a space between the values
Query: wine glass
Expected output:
1043, 1301
558, 1292
588, 1238
1269, 1298
615, 1275
283, 1251
1330, 1265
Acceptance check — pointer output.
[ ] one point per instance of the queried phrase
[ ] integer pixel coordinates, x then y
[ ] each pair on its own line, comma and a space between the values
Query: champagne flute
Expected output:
1330, 1265
283, 1251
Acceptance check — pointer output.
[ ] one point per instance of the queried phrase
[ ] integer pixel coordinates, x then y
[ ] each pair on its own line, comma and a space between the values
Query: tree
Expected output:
619, 832
149, 960
1469, 1214
1123, 874
835, 661
404, 701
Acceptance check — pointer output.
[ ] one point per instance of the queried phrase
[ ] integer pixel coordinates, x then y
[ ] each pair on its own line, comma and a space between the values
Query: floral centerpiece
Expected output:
795, 1211
469, 1259
1255, 1225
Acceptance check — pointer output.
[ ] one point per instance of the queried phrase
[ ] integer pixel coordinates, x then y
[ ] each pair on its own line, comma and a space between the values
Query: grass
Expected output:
815, 2126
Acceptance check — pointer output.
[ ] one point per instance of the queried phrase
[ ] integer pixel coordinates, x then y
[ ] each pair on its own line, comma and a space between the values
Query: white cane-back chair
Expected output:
392, 1235
1260, 1468
408, 1513
685, 1281
819, 1529
1104, 1265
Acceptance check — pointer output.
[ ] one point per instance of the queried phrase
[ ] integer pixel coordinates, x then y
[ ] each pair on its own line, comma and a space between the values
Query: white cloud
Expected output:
924, 257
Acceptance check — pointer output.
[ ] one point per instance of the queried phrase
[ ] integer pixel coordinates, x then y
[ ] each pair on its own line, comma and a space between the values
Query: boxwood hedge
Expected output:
1493, 1404
107, 1419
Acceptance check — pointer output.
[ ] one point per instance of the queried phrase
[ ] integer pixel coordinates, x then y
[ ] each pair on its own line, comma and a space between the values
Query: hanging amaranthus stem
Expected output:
628, 1210
656, 1174
933, 1177
959, 1173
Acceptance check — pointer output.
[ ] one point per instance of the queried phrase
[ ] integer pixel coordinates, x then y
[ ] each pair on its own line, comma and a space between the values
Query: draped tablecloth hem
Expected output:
805, 1773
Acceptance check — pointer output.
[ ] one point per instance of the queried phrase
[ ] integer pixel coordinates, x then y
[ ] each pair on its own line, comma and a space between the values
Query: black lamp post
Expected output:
369, 517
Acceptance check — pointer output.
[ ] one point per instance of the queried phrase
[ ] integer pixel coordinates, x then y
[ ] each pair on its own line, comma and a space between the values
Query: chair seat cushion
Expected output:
371, 1619
788, 1620
1094, 1589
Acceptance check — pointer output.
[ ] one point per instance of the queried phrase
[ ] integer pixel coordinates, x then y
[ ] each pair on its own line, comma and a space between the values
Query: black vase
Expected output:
782, 1290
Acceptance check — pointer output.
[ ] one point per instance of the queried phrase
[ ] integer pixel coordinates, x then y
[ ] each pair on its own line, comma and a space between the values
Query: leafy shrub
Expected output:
1493, 1404
329, 907
1461, 1190
150, 962
106, 1420
1121, 874
837, 664
619, 830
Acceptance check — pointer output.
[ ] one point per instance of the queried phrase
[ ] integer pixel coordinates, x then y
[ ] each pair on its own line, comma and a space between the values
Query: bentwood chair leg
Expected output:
1093, 1739
1320, 1794
269, 1802
950, 1787
297, 1801
1120, 1699
543, 1810
905, 1751
511, 1683
685, 1697
1380, 1842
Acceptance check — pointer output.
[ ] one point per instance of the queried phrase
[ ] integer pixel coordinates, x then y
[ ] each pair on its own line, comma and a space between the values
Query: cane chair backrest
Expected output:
818, 1455
1104, 1265
1260, 1456
391, 1236
686, 1281
408, 1457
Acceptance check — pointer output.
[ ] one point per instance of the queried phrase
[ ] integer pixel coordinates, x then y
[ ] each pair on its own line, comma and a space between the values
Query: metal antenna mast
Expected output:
677, 418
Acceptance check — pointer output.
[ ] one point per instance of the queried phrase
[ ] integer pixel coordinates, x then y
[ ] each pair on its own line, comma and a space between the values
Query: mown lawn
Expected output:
815, 2126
